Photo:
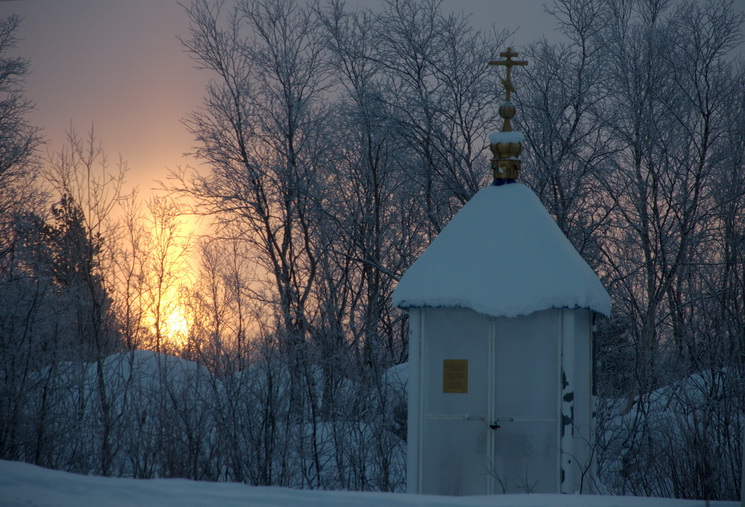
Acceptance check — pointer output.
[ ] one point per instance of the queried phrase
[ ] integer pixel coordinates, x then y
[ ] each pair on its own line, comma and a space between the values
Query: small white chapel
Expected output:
500, 310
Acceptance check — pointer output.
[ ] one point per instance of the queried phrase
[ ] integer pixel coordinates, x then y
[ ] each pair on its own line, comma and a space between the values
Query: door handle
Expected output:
495, 425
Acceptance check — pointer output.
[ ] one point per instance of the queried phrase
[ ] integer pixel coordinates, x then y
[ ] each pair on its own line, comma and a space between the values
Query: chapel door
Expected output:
523, 437
454, 426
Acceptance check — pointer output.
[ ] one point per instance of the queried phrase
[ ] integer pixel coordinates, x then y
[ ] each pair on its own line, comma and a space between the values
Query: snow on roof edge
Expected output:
502, 255
606, 312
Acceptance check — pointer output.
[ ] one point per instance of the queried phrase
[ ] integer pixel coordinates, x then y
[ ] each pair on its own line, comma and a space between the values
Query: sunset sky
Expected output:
119, 65
116, 64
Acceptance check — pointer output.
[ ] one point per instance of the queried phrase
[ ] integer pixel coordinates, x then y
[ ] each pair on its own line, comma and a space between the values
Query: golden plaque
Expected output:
455, 376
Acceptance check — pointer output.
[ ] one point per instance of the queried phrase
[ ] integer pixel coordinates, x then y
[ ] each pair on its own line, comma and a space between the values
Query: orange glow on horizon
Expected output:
171, 274
175, 327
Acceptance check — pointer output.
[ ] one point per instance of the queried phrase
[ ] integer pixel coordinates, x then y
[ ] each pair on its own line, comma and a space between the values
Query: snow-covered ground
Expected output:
24, 484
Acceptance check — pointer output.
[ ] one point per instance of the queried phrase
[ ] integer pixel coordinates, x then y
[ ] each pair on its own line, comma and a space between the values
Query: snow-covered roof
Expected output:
502, 255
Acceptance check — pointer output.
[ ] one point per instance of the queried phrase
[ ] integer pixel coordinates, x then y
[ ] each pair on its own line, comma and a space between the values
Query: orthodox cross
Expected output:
509, 62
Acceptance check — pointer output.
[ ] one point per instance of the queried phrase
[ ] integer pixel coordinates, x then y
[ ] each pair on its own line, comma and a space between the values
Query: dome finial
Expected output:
506, 147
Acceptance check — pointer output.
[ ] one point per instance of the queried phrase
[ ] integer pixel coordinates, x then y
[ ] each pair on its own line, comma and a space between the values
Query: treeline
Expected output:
636, 143
336, 144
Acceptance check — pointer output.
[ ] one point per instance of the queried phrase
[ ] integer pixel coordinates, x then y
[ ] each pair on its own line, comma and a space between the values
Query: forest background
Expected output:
337, 143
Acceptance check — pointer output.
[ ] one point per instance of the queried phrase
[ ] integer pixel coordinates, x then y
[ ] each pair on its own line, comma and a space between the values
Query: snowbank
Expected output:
24, 484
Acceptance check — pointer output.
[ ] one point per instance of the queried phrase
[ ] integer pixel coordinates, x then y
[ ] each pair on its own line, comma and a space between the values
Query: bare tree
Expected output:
19, 139
24, 259
440, 96
561, 98
131, 286
89, 191
668, 85
166, 271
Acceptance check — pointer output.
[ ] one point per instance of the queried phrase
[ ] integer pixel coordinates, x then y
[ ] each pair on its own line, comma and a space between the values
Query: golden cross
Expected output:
509, 62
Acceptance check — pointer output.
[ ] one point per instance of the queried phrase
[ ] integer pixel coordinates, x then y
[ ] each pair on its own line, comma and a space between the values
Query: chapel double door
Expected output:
489, 404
